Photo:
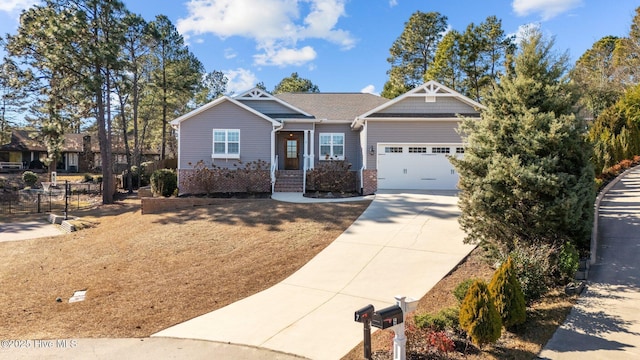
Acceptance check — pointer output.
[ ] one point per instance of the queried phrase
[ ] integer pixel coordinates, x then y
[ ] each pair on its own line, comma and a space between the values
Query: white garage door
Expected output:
417, 166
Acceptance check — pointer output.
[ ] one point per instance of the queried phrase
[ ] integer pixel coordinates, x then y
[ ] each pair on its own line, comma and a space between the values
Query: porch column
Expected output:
311, 149
305, 151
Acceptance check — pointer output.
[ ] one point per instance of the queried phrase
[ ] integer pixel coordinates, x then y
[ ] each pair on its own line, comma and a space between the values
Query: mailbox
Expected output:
364, 314
387, 317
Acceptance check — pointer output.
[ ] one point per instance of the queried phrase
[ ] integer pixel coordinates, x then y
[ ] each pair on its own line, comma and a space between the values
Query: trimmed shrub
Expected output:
30, 178
568, 262
445, 319
164, 182
478, 315
508, 296
332, 176
461, 289
534, 266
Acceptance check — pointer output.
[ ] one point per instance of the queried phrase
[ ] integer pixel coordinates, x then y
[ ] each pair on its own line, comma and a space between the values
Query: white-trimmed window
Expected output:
331, 146
226, 144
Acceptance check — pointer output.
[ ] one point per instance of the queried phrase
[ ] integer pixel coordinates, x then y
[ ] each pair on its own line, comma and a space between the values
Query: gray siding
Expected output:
297, 126
268, 107
196, 135
351, 147
410, 132
415, 105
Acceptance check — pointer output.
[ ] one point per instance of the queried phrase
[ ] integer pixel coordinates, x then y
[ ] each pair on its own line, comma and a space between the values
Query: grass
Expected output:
146, 273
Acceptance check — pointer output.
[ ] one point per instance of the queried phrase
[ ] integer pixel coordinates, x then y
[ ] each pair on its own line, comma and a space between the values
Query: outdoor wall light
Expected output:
371, 150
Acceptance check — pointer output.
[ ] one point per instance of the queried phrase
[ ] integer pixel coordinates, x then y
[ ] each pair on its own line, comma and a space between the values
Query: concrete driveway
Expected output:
24, 230
403, 244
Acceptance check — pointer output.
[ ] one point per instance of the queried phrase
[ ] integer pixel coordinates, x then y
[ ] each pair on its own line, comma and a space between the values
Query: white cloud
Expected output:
369, 89
240, 80
277, 26
12, 6
285, 56
547, 8
229, 53
393, 3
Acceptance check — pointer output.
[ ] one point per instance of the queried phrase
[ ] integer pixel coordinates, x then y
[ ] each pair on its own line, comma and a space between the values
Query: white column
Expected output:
312, 160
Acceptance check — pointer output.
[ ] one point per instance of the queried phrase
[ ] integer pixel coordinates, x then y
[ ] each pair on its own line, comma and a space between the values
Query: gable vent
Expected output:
430, 99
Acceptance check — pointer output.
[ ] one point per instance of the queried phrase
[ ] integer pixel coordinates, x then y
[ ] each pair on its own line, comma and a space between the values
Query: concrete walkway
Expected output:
27, 230
605, 323
403, 244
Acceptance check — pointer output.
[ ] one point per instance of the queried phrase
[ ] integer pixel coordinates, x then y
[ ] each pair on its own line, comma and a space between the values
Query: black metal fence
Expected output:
74, 196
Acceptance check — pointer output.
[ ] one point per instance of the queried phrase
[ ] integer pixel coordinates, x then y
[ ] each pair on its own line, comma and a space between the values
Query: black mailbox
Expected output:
387, 317
364, 314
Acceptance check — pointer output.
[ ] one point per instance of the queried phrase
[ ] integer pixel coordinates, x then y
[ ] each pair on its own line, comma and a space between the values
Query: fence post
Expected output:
39, 200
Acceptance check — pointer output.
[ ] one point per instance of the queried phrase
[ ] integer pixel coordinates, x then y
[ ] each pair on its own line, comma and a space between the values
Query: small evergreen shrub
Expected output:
164, 182
478, 315
445, 319
461, 289
508, 296
568, 262
87, 178
30, 178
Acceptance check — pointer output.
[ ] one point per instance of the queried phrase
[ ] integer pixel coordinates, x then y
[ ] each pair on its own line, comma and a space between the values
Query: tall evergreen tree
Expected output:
526, 175
413, 52
295, 83
446, 63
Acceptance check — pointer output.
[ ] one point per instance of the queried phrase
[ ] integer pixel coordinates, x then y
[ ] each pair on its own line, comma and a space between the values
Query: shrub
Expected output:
461, 289
164, 182
568, 262
508, 296
332, 176
478, 315
442, 320
440, 342
30, 178
533, 266
87, 178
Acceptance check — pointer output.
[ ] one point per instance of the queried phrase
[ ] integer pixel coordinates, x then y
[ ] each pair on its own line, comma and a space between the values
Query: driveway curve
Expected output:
403, 244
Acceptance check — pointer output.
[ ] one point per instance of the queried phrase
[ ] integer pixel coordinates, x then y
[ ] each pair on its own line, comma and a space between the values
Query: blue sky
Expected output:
342, 45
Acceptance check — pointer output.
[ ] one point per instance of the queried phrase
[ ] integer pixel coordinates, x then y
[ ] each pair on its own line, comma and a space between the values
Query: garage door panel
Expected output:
398, 168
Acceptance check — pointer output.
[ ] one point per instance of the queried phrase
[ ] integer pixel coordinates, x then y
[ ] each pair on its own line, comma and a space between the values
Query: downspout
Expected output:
274, 162
363, 152
306, 160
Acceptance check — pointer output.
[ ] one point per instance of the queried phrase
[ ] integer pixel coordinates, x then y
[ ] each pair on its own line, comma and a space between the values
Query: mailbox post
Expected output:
364, 316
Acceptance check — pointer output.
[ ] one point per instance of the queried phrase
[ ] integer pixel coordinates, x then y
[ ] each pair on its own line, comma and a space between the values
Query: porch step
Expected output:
288, 181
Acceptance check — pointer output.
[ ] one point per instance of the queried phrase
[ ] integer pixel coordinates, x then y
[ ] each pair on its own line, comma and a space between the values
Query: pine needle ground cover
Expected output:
144, 273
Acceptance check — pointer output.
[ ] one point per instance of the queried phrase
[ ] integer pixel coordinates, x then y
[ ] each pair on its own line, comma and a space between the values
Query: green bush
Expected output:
568, 262
478, 315
461, 289
445, 319
164, 182
87, 178
30, 178
508, 296
534, 269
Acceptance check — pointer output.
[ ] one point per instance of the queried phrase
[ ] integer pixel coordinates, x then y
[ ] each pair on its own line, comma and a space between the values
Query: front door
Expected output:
291, 151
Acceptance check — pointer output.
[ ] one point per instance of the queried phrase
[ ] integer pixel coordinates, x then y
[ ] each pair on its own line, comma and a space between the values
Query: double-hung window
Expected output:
331, 146
226, 144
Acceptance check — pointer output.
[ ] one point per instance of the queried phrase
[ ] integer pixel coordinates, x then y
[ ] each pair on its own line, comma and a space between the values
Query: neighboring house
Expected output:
79, 153
392, 144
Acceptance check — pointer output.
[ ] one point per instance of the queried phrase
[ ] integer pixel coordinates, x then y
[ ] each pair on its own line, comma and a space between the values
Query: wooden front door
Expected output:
291, 154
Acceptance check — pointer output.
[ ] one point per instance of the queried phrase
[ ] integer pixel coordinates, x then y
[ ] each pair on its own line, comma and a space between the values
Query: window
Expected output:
226, 144
459, 150
331, 146
392, 149
420, 150
440, 150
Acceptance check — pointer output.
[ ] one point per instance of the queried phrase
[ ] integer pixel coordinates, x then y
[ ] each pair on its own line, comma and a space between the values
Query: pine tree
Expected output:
478, 315
508, 296
526, 174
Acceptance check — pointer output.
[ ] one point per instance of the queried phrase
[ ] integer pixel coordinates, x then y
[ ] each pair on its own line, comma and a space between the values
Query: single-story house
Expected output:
403, 143
80, 152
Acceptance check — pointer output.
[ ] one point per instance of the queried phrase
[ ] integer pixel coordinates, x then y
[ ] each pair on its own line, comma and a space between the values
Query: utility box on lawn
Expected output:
387, 317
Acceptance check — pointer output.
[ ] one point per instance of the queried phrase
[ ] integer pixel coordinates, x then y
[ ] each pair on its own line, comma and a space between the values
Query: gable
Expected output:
432, 100
221, 100
270, 105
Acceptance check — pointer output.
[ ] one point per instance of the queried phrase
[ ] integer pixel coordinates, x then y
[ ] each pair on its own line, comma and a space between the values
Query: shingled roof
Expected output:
333, 106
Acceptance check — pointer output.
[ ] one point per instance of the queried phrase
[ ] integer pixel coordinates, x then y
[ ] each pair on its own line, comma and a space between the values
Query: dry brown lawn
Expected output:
144, 273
